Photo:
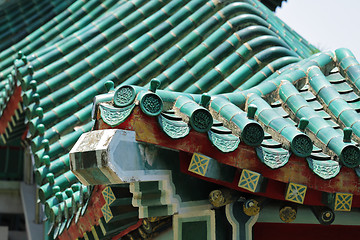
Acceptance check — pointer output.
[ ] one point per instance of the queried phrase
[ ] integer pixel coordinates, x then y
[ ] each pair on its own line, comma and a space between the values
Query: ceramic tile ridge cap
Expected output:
310, 69
348, 153
287, 74
186, 107
290, 136
326, 93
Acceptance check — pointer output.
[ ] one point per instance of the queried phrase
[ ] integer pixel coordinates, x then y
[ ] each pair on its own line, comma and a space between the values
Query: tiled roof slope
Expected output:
309, 109
18, 20
302, 122
188, 46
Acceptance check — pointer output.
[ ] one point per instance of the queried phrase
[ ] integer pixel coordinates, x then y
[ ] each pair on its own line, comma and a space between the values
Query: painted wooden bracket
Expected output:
126, 213
338, 201
295, 193
211, 168
117, 195
251, 181
324, 215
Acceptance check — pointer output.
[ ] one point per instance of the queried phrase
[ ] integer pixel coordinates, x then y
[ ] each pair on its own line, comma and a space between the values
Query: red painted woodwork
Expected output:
10, 109
244, 157
283, 231
89, 219
128, 230
274, 189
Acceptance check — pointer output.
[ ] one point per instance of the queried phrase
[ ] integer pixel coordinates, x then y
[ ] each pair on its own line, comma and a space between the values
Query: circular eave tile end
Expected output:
151, 104
252, 134
350, 156
301, 145
201, 120
124, 96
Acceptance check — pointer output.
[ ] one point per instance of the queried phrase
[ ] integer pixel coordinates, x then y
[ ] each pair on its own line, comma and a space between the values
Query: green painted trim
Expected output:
197, 216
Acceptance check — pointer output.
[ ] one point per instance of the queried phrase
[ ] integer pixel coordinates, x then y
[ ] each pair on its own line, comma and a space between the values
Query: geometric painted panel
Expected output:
108, 195
249, 180
343, 202
107, 213
199, 164
194, 225
296, 193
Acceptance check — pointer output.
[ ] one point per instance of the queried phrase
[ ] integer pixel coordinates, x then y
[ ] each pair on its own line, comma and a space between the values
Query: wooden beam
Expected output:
10, 109
305, 215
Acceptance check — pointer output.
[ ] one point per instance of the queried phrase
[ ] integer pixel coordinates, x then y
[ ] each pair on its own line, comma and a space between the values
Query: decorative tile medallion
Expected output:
273, 157
172, 128
114, 116
296, 193
324, 169
343, 202
199, 164
195, 224
108, 195
249, 180
106, 212
224, 142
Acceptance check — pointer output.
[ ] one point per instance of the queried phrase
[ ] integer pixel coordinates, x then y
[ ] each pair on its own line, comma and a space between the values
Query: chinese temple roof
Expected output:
273, 4
226, 82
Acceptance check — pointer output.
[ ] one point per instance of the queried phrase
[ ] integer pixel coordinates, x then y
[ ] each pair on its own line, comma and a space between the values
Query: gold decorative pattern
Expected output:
108, 195
343, 202
287, 214
251, 207
107, 212
199, 164
296, 193
249, 180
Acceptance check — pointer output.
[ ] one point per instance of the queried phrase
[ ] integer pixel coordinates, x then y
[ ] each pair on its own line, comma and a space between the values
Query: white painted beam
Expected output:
10, 201
34, 231
4, 232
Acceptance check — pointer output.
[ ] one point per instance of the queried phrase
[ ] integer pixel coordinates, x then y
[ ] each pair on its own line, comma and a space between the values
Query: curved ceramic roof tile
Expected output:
269, 95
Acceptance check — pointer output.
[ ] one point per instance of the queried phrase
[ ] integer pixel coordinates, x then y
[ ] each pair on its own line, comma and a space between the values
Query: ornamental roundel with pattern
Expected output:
107, 212
249, 180
343, 202
108, 195
296, 193
199, 164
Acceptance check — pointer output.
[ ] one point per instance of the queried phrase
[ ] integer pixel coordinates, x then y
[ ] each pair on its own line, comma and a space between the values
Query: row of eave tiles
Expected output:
70, 57
320, 121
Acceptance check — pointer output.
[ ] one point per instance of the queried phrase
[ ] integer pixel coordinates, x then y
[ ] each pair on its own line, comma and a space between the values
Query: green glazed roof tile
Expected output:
336, 78
273, 157
343, 87
350, 97
240, 53
270, 143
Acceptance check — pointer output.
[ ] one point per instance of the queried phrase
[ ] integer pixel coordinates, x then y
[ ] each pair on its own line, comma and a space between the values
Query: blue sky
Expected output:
327, 24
